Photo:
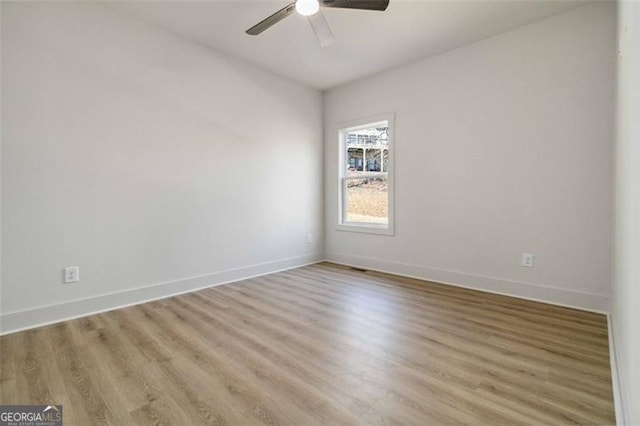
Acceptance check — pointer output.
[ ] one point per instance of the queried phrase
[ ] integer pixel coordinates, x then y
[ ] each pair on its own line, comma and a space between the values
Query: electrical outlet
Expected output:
71, 274
527, 260
309, 238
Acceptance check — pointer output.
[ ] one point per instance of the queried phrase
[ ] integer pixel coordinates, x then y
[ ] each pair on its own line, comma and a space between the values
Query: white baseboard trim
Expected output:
618, 400
12, 322
539, 293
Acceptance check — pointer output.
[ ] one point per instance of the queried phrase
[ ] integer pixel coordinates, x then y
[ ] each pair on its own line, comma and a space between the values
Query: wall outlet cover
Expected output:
71, 274
527, 260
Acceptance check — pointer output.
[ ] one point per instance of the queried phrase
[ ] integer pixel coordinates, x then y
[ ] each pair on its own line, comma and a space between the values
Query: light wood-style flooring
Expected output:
322, 344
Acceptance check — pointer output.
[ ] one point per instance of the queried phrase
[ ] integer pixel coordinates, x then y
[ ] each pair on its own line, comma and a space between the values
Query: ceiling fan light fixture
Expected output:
307, 7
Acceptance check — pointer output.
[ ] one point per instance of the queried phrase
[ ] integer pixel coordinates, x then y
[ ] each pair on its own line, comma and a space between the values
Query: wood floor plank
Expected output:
221, 356
493, 319
321, 344
266, 356
370, 326
569, 362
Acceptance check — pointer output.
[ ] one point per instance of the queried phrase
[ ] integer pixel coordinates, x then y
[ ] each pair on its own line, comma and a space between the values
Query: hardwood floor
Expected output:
322, 344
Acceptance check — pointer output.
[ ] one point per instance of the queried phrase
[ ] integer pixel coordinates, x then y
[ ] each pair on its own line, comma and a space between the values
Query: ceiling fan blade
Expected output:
356, 4
321, 29
272, 20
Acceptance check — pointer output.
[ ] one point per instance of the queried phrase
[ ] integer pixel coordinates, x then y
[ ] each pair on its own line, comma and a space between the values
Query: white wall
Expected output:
502, 147
146, 160
626, 264
1, 132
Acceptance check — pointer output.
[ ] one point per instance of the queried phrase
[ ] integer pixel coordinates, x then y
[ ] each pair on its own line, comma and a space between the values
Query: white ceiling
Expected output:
366, 42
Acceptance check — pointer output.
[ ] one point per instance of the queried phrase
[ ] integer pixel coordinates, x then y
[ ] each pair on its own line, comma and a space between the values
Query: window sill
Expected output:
366, 228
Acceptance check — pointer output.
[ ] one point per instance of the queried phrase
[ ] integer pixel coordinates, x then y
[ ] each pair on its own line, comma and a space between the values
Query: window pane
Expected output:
368, 149
366, 200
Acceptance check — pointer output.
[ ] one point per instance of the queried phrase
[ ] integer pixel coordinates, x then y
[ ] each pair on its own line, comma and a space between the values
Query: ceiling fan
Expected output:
311, 8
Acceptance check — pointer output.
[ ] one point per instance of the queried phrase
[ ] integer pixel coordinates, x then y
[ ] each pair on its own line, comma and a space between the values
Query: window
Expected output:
366, 175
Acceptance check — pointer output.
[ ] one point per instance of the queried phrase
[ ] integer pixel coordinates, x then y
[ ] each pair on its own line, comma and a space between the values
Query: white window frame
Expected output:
342, 130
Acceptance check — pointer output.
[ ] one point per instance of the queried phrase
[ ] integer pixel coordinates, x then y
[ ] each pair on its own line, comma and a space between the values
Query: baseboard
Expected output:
12, 322
618, 400
539, 293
